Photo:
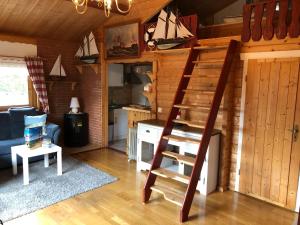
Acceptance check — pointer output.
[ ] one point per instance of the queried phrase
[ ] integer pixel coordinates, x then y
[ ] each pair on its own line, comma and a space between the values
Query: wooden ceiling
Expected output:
53, 19
58, 19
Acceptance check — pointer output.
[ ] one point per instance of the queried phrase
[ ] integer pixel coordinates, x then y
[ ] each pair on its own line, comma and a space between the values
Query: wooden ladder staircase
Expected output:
185, 200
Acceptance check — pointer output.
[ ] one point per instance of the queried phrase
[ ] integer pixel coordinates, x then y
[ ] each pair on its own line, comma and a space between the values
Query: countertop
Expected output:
185, 128
130, 108
115, 106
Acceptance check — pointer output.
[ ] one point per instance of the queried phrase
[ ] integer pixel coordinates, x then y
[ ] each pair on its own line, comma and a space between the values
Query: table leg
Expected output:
25, 171
46, 160
14, 162
59, 163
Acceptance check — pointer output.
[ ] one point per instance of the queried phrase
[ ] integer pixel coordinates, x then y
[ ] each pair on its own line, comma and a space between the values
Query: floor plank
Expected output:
120, 203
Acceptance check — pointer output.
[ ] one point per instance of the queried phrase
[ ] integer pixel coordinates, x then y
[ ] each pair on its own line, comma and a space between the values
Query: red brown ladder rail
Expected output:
162, 146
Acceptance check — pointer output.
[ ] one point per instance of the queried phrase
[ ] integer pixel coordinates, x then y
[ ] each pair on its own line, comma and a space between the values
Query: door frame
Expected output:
246, 57
145, 58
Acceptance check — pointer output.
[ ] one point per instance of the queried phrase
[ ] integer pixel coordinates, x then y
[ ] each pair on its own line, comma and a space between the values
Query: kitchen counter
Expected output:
129, 108
185, 128
137, 113
115, 106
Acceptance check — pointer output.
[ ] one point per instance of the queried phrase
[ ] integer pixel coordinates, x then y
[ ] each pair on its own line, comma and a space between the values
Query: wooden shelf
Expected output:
95, 67
172, 51
51, 83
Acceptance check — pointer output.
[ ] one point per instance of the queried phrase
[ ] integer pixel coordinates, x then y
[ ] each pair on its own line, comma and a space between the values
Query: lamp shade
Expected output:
74, 103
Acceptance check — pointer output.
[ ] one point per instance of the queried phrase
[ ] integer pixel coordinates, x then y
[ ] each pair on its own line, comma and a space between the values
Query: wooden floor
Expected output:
120, 203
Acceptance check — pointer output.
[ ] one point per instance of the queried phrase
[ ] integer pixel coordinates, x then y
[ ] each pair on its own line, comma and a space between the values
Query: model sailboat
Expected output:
169, 31
88, 52
58, 69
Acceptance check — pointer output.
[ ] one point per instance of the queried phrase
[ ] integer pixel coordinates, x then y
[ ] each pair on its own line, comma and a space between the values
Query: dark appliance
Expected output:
76, 129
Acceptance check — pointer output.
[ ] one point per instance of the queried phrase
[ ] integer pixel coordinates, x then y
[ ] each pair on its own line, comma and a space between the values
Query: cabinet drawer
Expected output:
147, 132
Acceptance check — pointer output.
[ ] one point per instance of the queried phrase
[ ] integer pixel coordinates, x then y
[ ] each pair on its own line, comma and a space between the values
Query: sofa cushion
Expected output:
4, 126
17, 120
51, 128
5, 145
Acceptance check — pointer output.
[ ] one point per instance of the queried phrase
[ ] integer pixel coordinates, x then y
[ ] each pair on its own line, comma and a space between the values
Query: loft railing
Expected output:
268, 18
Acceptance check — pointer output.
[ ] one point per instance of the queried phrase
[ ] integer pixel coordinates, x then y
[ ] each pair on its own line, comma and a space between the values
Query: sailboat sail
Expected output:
172, 27
160, 31
85, 47
79, 52
58, 69
183, 32
93, 46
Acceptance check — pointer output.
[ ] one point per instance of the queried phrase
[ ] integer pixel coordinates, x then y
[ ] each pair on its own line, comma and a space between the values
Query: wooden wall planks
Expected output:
267, 142
295, 160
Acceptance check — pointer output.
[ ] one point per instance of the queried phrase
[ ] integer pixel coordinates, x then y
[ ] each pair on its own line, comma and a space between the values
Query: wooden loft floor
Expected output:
120, 203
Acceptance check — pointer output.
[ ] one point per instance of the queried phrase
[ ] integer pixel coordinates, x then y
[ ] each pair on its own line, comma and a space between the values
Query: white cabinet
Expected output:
120, 124
116, 75
148, 137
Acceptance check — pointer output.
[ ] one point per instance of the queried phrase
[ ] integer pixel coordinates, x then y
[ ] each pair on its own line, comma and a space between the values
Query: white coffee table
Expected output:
24, 152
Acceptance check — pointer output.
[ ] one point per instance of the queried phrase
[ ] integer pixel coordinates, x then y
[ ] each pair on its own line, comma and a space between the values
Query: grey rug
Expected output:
45, 187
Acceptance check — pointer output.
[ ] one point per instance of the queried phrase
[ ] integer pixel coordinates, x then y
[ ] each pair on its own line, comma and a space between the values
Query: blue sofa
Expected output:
12, 132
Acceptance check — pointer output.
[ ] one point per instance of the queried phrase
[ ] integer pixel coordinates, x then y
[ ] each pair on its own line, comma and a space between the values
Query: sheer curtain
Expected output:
36, 73
17, 65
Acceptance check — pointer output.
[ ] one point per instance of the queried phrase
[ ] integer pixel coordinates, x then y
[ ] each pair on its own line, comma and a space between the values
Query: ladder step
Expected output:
171, 175
198, 91
187, 160
190, 123
181, 139
173, 196
195, 107
201, 76
192, 107
209, 62
211, 47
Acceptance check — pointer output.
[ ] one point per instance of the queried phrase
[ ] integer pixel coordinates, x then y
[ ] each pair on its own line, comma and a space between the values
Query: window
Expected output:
13, 85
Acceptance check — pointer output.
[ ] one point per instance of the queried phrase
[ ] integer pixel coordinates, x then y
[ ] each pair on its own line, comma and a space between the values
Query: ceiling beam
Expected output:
94, 4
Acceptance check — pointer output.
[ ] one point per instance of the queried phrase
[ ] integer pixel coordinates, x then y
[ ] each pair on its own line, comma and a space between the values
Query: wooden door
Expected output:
270, 155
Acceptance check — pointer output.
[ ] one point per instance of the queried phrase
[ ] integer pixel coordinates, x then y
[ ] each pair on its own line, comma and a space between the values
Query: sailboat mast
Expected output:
60, 66
167, 24
89, 47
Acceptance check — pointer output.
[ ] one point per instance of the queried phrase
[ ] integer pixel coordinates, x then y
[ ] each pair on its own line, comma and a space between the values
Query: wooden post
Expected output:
246, 33
258, 14
282, 26
268, 31
294, 28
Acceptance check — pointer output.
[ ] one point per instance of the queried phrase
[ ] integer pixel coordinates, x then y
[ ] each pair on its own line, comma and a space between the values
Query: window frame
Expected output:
30, 97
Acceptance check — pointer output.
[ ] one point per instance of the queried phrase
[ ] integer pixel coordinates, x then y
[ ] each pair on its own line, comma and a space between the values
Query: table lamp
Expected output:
74, 105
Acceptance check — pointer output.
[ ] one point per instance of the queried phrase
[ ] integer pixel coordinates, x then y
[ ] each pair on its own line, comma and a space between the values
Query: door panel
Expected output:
295, 160
267, 138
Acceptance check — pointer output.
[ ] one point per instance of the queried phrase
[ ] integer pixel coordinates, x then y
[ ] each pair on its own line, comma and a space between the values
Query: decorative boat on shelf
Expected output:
88, 51
168, 33
58, 71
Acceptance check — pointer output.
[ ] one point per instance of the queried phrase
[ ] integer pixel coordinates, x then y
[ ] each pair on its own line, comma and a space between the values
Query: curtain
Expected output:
36, 74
